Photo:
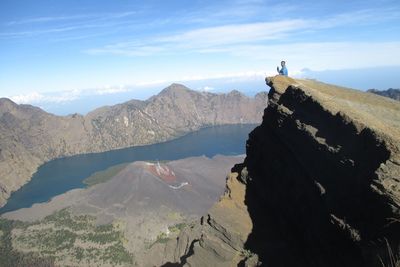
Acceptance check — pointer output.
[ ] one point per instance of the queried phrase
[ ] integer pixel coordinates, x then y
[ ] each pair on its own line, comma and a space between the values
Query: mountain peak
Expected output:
235, 92
175, 87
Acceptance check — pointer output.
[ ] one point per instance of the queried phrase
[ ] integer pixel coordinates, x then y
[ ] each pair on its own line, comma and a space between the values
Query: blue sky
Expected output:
57, 52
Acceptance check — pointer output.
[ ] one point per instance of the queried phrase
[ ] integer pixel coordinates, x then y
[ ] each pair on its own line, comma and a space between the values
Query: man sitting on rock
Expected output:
283, 70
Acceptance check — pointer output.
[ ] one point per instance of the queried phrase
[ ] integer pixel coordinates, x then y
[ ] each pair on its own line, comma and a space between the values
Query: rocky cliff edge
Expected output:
320, 186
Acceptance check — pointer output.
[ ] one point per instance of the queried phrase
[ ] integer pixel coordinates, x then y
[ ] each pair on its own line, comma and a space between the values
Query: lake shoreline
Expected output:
208, 141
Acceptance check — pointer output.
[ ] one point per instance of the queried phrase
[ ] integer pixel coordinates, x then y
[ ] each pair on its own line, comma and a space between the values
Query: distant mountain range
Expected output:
30, 136
391, 93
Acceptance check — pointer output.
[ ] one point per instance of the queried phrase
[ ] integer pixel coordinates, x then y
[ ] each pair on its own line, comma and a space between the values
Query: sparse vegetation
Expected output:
102, 237
177, 227
392, 257
117, 254
62, 236
246, 253
162, 238
10, 257
63, 218
105, 175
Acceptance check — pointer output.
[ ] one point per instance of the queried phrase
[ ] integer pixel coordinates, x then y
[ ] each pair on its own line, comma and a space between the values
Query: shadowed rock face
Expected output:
29, 136
323, 184
321, 181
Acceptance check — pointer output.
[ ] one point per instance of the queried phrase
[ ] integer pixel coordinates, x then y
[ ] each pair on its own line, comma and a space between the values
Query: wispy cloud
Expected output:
226, 37
68, 95
205, 38
206, 88
242, 11
79, 17
40, 32
59, 24
236, 33
38, 98
107, 90
49, 19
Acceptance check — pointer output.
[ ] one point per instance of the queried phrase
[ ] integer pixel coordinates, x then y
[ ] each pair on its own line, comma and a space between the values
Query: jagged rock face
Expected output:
219, 238
322, 177
29, 136
391, 93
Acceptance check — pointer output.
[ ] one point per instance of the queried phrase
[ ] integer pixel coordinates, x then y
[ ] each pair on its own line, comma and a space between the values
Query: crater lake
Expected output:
60, 175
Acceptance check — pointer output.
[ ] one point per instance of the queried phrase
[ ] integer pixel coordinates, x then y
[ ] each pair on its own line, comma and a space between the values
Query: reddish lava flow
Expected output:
163, 172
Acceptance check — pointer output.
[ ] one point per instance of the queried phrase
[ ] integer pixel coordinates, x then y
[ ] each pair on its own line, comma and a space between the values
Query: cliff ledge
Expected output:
320, 185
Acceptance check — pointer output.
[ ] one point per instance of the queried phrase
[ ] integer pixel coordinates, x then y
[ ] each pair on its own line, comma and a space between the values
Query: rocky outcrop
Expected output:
391, 93
321, 185
29, 136
219, 238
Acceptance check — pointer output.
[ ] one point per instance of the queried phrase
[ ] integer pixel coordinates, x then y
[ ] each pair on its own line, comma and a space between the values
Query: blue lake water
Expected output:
60, 175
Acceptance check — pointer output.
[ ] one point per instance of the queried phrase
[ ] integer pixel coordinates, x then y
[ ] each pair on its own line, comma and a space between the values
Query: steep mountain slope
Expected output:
320, 186
29, 136
391, 93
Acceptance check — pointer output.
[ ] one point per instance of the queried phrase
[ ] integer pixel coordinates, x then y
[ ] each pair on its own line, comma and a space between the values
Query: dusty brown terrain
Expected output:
138, 202
29, 136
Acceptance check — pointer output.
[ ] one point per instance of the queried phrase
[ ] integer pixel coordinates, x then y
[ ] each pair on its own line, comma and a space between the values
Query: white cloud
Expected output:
204, 38
66, 24
111, 90
80, 17
61, 97
227, 37
66, 96
35, 97
47, 19
234, 34
207, 89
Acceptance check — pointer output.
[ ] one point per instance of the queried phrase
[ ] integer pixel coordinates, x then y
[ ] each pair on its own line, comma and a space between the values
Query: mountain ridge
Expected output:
30, 136
390, 93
